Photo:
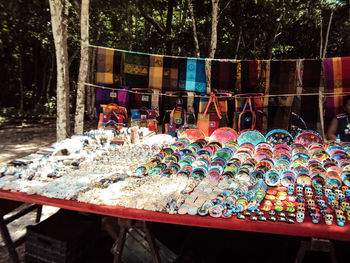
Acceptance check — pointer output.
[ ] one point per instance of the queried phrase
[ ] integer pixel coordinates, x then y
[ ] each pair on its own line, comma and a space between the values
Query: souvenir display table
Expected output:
306, 229
247, 182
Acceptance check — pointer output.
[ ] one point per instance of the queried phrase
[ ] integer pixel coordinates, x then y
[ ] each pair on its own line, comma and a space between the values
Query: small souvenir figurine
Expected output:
348, 215
340, 220
316, 218
328, 219
290, 189
337, 192
300, 208
335, 204
327, 191
300, 217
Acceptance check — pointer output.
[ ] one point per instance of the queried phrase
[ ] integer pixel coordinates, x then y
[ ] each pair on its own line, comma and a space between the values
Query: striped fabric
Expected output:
109, 66
336, 80
155, 79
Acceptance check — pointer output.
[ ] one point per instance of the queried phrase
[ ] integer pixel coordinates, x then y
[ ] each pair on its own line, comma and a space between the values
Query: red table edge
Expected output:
306, 229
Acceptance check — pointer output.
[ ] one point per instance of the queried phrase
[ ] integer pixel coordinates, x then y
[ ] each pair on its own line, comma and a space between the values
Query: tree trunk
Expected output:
48, 86
214, 26
21, 86
169, 21
195, 37
129, 24
238, 43
59, 14
327, 35
83, 68
321, 38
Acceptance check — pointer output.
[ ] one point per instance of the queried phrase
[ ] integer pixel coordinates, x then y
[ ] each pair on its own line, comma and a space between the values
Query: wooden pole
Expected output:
320, 107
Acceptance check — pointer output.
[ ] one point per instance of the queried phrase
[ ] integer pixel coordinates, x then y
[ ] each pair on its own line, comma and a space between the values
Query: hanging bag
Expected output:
112, 112
255, 108
247, 118
208, 122
175, 121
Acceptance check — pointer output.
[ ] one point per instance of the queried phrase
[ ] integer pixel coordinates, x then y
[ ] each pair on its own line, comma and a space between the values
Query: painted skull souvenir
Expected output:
308, 190
348, 215
300, 217
318, 192
328, 219
300, 208
316, 218
341, 198
344, 205
310, 203
341, 220
339, 212
334, 204
337, 192
347, 193
299, 190
344, 188
327, 191
308, 195
312, 210
320, 203
290, 189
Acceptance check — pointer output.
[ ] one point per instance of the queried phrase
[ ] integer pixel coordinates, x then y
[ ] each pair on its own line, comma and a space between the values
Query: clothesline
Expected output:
325, 95
212, 59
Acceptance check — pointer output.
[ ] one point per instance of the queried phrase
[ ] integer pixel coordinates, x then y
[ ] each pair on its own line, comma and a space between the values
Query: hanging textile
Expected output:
223, 75
253, 76
192, 75
155, 72
136, 69
336, 80
310, 75
109, 66
282, 81
170, 74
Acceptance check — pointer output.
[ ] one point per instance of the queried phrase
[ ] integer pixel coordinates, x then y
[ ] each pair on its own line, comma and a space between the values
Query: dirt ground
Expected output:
19, 138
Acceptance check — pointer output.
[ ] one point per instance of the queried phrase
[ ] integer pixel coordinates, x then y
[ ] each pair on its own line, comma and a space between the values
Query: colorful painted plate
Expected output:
279, 136
193, 135
224, 135
250, 136
308, 137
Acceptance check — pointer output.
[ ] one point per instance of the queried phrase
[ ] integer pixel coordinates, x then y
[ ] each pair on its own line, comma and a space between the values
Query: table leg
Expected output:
317, 245
8, 241
151, 241
119, 245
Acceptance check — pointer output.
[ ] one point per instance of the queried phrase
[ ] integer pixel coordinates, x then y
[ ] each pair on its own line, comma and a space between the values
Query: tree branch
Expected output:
150, 19
223, 9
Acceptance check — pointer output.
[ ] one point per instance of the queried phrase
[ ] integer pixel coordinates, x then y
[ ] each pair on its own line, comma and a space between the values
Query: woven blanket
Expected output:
109, 66
136, 69
223, 75
192, 75
282, 81
336, 80
155, 80
170, 74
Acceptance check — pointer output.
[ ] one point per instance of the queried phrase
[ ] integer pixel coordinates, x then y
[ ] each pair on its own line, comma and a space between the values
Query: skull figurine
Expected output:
348, 215
344, 205
310, 203
290, 189
344, 188
300, 208
331, 198
321, 203
339, 212
341, 198
308, 189
328, 219
316, 218
308, 195
300, 217
337, 192
318, 192
347, 193
312, 210
299, 190
335, 204
340, 220
327, 191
